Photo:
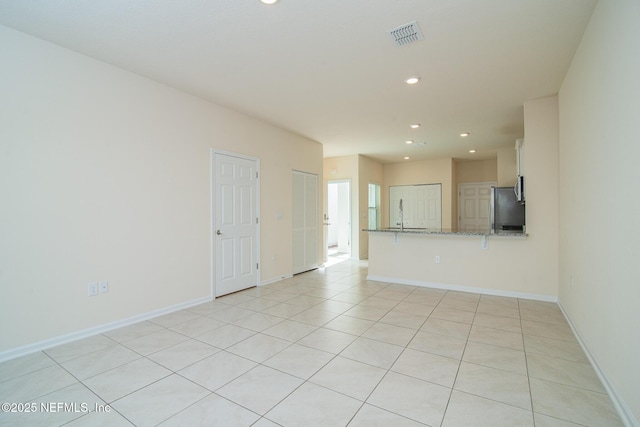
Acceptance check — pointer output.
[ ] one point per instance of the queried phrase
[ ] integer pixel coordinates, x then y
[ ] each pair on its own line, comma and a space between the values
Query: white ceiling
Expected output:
328, 70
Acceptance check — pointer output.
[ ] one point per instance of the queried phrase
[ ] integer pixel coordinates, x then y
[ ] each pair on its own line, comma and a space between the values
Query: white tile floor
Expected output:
325, 348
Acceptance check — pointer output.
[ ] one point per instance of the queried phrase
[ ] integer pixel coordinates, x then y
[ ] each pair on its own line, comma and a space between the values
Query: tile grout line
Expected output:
387, 370
459, 364
81, 382
526, 365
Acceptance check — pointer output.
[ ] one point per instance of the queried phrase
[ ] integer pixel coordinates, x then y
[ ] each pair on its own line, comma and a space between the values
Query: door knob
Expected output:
218, 232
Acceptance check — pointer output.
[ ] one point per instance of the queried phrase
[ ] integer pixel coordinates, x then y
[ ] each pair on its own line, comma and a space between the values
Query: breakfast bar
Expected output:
470, 261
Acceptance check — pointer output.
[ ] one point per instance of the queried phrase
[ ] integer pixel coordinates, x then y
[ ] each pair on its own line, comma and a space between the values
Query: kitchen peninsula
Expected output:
469, 261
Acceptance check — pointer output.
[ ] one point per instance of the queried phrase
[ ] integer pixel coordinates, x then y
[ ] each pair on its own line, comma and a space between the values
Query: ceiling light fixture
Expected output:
472, 151
465, 134
409, 141
415, 126
412, 80
407, 157
269, 1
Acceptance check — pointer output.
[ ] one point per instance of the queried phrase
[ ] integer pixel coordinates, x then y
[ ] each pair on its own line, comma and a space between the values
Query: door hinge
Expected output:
257, 266
256, 175
256, 220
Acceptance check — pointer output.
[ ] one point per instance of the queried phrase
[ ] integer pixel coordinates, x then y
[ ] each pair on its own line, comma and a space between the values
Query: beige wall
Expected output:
541, 136
599, 239
504, 268
476, 171
507, 169
105, 175
439, 171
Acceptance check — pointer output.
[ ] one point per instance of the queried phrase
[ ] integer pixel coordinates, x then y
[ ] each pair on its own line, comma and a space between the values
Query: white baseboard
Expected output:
74, 336
624, 411
462, 288
276, 279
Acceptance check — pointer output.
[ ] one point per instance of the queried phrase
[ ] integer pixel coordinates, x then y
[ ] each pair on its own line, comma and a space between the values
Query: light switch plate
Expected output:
92, 289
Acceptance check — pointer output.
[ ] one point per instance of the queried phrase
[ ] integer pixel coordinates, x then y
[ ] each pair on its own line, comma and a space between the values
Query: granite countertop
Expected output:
505, 233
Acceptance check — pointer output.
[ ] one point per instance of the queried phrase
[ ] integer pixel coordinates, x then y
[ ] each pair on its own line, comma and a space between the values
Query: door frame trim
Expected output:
212, 205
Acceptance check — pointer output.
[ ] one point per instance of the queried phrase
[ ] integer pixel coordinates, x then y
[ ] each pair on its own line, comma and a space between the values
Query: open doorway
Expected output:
338, 220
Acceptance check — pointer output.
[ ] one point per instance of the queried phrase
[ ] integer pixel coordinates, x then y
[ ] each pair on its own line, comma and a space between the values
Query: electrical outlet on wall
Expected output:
104, 287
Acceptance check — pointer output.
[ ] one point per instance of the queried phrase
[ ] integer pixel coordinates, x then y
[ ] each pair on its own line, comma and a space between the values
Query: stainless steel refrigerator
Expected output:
507, 214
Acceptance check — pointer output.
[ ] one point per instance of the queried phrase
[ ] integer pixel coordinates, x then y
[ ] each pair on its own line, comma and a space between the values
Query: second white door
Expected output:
305, 221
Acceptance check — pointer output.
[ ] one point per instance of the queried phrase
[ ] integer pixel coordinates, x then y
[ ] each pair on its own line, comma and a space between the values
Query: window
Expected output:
374, 206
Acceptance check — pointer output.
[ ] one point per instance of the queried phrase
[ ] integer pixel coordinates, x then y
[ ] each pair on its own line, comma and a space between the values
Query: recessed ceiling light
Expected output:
269, 1
412, 80
465, 134
415, 126
472, 151
409, 141
407, 157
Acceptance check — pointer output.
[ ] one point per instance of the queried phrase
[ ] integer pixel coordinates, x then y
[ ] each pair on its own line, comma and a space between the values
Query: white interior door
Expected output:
395, 194
305, 221
235, 223
428, 210
422, 206
474, 206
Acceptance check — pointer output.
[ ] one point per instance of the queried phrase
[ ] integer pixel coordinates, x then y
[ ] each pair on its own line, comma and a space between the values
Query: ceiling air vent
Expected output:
406, 34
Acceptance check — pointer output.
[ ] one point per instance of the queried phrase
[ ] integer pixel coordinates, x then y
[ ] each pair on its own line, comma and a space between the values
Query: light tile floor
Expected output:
325, 348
